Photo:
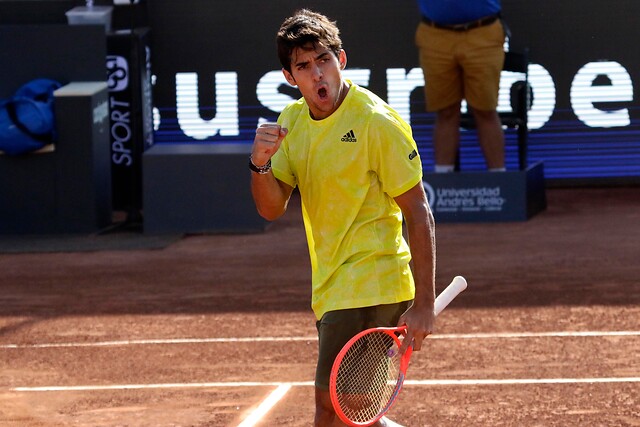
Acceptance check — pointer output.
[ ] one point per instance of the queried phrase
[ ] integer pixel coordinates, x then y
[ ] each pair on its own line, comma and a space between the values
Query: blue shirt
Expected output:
451, 12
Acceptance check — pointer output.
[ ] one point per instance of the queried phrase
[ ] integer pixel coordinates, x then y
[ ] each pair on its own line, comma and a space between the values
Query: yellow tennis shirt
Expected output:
348, 168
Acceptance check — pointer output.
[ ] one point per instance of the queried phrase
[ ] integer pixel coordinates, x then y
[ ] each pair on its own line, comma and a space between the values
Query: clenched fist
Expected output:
268, 138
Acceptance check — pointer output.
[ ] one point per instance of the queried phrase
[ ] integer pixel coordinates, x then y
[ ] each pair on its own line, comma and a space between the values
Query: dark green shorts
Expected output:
339, 326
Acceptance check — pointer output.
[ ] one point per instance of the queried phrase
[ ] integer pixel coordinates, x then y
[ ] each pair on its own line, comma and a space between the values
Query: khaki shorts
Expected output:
339, 326
461, 65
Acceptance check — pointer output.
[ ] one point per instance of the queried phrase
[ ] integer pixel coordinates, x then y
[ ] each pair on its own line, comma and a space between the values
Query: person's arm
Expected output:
269, 194
420, 318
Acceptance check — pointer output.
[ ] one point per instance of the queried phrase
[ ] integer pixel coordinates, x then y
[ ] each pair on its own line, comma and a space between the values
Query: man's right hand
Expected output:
268, 138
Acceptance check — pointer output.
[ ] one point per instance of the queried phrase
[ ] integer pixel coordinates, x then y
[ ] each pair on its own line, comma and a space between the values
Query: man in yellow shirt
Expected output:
356, 166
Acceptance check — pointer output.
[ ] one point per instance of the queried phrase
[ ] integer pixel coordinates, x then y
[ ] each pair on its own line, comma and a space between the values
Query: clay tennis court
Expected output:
203, 331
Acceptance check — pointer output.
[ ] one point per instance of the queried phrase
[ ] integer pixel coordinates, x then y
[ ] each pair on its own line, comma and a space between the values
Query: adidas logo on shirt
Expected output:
349, 137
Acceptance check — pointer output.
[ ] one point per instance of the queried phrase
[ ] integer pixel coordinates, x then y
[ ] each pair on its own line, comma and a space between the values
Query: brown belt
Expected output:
462, 27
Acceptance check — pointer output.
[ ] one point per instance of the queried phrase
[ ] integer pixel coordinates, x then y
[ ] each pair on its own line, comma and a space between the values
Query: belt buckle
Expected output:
465, 26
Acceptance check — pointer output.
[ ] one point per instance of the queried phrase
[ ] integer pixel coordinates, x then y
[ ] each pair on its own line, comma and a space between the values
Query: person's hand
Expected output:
420, 322
268, 138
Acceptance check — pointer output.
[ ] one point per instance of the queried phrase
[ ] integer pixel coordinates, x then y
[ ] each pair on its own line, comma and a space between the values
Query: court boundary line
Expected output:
497, 335
289, 384
282, 388
265, 406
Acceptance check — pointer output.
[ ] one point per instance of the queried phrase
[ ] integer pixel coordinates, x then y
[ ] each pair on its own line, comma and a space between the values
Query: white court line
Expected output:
160, 341
498, 335
265, 406
164, 386
525, 381
278, 384
283, 387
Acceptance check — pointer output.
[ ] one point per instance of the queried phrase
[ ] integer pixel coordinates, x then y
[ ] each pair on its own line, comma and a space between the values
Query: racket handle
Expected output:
457, 285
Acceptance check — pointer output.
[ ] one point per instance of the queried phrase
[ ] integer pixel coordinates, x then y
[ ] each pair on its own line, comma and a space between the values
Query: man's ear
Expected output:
289, 77
342, 59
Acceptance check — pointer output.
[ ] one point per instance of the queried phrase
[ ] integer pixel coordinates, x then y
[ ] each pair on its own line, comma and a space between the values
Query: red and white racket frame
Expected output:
457, 285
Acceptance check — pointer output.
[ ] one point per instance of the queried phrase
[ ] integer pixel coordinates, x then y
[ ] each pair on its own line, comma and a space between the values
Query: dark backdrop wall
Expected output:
217, 74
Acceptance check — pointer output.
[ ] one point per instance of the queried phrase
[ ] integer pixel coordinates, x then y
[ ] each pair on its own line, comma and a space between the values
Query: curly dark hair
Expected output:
306, 29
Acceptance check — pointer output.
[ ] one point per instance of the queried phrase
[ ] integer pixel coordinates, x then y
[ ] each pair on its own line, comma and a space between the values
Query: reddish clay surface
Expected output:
572, 268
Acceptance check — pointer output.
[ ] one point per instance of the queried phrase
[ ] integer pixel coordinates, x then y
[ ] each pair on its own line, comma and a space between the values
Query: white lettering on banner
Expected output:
226, 120
399, 88
543, 101
120, 132
117, 73
359, 76
473, 199
267, 92
400, 85
584, 94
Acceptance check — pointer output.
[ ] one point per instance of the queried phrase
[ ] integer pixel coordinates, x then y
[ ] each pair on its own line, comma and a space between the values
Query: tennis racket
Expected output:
368, 373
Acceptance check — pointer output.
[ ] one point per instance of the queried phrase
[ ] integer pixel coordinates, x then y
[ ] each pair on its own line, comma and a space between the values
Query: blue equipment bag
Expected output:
27, 120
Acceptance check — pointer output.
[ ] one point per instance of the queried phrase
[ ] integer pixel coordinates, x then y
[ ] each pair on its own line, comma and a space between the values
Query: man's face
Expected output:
317, 73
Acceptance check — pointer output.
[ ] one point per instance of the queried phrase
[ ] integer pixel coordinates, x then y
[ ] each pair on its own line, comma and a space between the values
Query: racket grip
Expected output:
457, 285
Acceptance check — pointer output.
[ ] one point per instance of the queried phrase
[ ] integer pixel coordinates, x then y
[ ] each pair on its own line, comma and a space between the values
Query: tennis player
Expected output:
356, 166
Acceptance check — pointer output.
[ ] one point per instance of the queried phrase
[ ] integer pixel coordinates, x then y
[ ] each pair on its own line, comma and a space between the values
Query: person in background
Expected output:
460, 44
356, 166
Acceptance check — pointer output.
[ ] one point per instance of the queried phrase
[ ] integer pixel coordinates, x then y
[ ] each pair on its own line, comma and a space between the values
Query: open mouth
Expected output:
322, 93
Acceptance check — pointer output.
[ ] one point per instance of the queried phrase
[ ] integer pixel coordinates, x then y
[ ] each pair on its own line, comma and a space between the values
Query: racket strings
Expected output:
367, 376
